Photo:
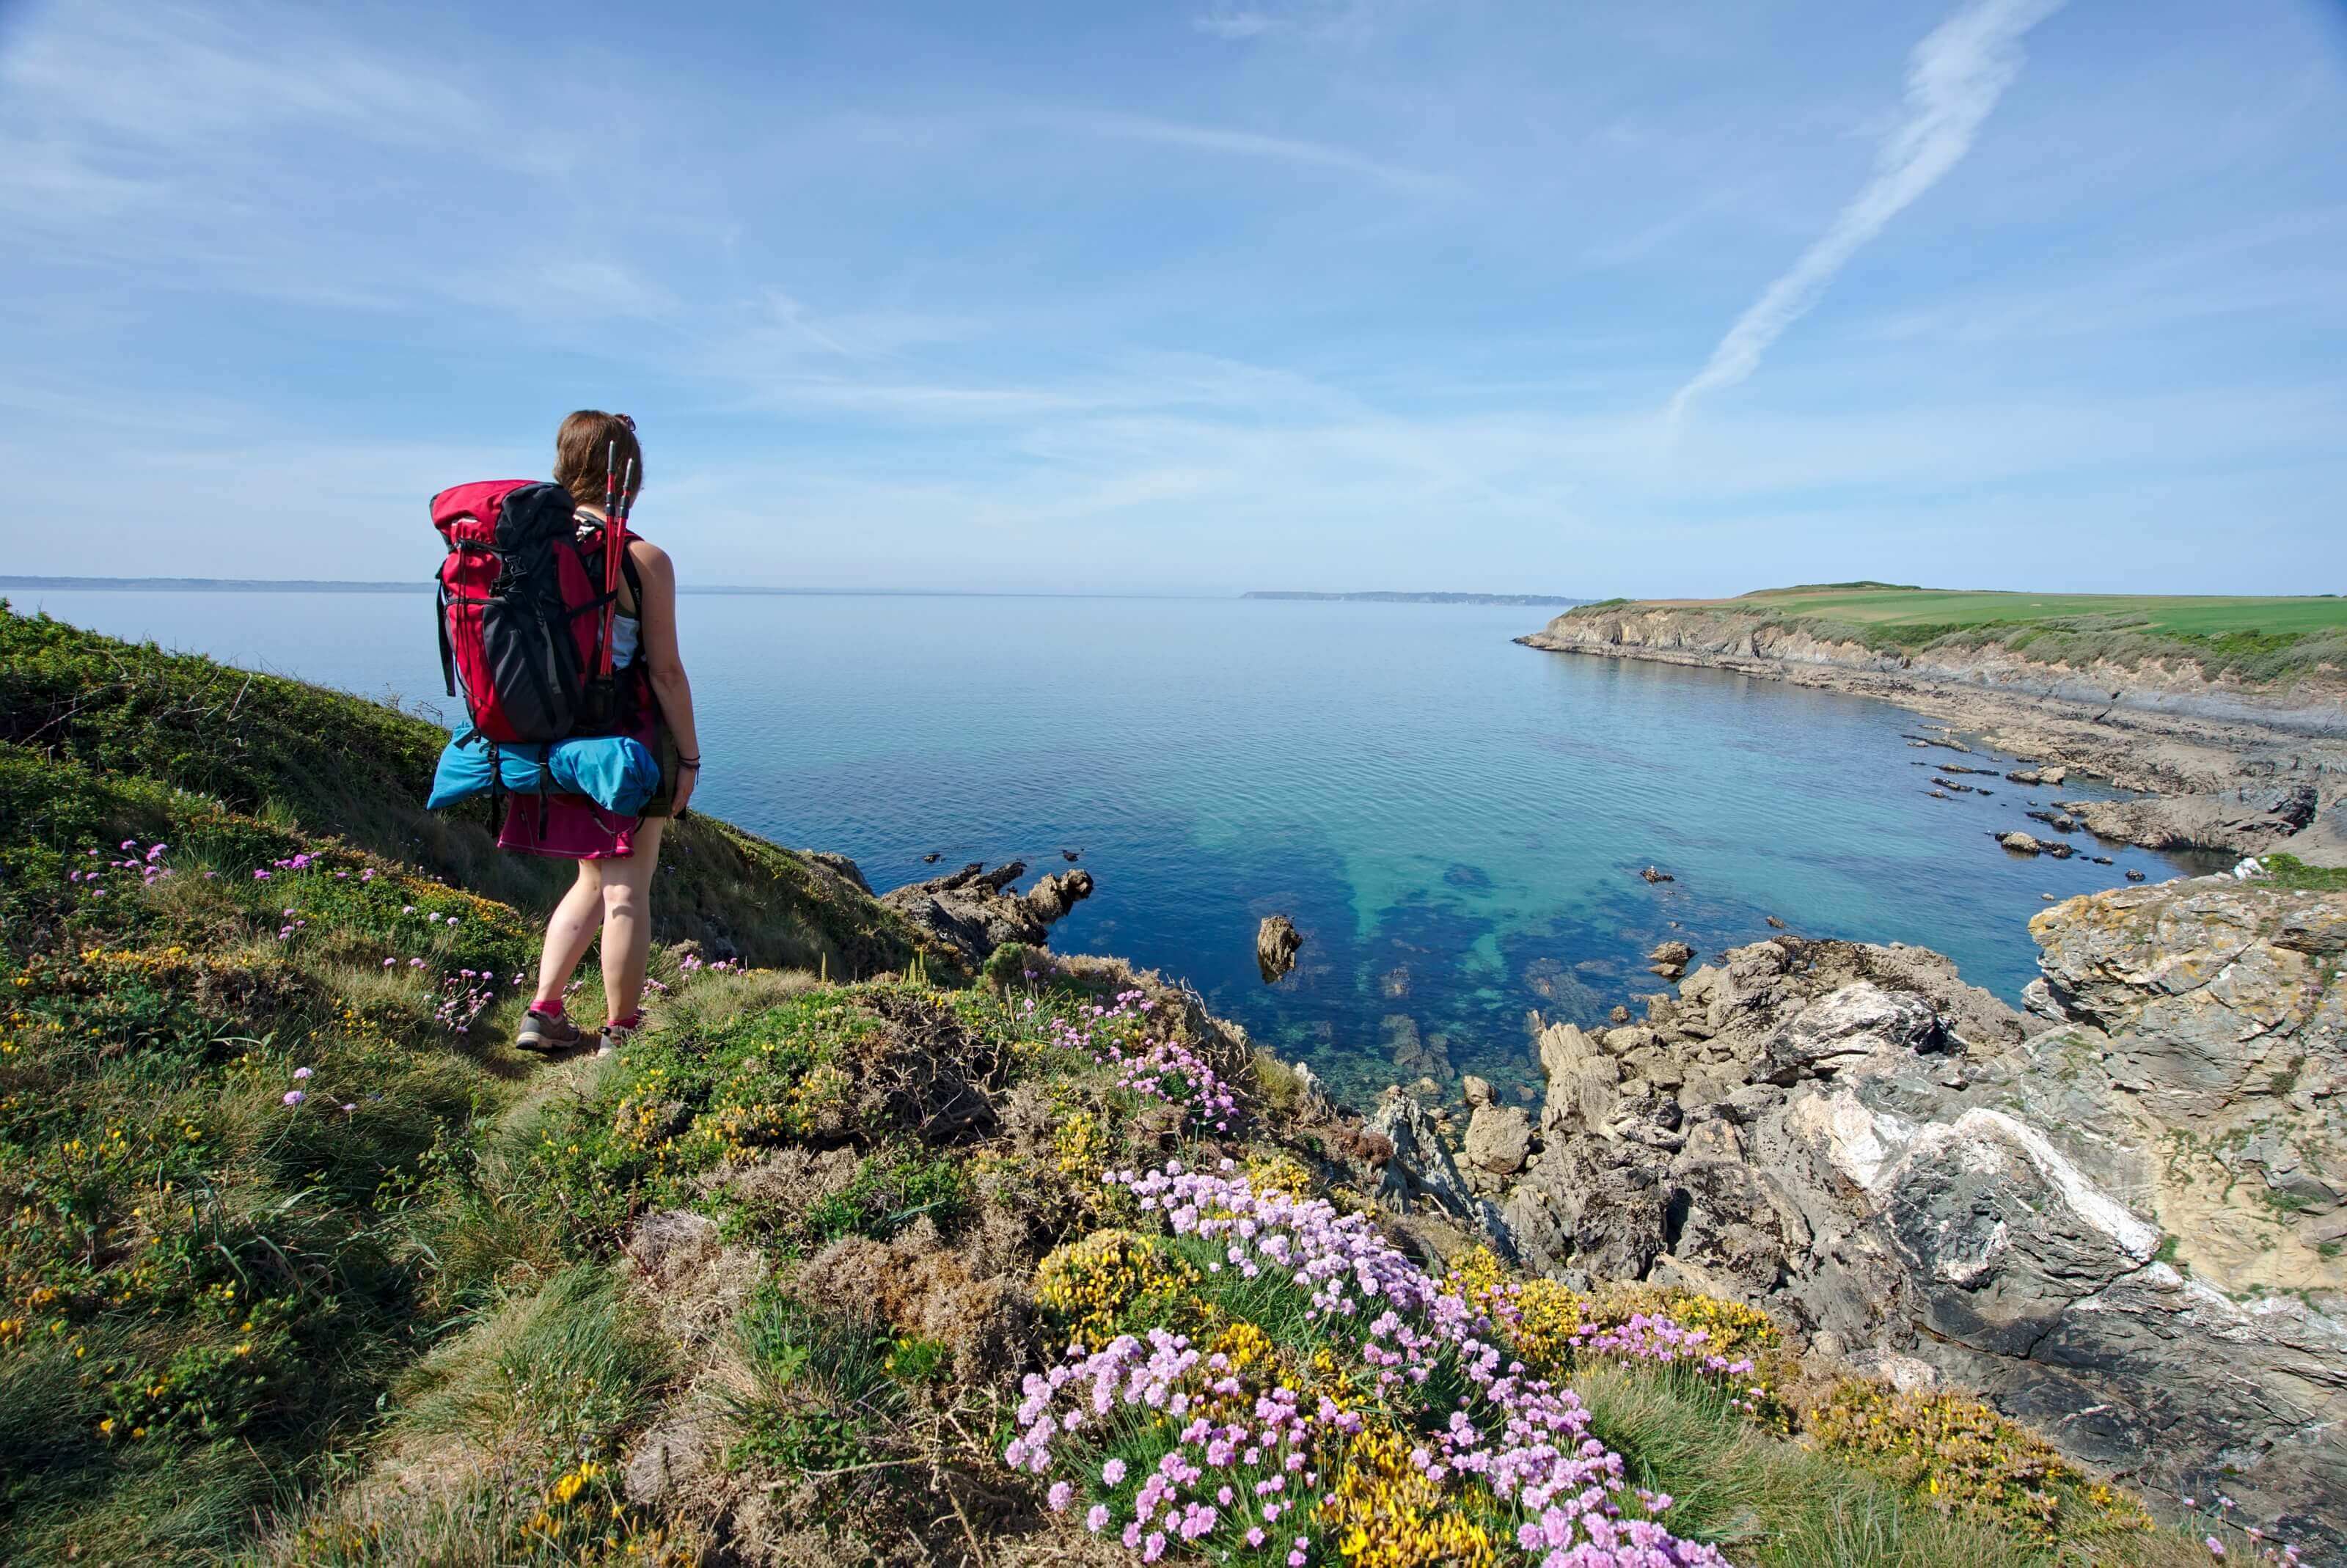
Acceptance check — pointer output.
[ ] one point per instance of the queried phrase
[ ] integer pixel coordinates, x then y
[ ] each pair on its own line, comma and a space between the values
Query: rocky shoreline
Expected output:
2118, 1217
2223, 768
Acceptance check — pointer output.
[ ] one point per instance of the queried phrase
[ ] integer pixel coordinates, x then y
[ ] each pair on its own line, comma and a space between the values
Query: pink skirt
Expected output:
575, 829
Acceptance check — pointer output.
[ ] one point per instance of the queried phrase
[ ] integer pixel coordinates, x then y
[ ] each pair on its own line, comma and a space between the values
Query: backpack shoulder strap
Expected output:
628, 569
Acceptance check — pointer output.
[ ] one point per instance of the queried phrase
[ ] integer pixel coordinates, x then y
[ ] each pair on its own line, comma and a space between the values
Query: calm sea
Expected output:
1456, 824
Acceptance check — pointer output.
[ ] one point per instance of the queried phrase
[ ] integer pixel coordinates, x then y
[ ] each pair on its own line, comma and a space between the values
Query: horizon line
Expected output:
363, 585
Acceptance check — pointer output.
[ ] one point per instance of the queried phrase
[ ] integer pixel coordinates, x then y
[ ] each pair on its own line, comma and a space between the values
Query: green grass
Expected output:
155, 728
2179, 615
2256, 639
205, 1291
1771, 1504
2290, 872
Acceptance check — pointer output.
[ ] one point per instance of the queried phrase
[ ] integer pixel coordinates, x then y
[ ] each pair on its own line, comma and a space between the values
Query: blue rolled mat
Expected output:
617, 773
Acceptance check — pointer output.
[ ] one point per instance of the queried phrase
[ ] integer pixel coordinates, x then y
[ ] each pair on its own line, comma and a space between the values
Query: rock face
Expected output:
2248, 820
2126, 1227
971, 913
2225, 751
1763, 644
1420, 1168
1499, 1138
1277, 943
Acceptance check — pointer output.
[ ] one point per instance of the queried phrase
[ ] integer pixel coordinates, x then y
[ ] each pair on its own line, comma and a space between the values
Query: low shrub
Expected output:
1111, 1281
1961, 1454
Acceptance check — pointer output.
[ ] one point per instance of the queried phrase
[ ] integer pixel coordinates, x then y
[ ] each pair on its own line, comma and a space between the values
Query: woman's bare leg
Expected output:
628, 922
570, 931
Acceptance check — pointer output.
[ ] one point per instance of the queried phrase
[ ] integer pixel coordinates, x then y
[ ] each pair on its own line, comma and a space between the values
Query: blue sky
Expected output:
1199, 296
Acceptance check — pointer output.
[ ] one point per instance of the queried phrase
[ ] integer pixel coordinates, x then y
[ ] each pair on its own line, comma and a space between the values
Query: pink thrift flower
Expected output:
301, 1072
1060, 1496
294, 1097
1096, 1518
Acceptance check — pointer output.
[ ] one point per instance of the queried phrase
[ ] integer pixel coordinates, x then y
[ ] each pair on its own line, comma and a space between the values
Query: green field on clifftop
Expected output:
2251, 638
2182, 615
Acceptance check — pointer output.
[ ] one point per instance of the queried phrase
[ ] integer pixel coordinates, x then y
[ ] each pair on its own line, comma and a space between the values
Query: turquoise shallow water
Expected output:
1455, 822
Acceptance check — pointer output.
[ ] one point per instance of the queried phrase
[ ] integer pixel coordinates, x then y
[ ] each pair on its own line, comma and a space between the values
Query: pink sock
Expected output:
548, 1009
634, 1020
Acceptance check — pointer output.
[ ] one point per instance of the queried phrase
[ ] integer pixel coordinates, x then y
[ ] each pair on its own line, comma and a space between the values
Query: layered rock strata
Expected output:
2120, 1218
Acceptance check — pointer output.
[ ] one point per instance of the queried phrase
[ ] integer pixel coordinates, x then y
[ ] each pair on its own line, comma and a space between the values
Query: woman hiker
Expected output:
617, 855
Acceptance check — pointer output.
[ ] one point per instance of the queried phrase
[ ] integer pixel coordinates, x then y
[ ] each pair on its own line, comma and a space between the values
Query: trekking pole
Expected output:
610, 556
619, 531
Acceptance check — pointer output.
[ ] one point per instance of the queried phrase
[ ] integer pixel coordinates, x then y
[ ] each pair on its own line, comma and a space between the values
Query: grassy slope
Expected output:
391, 1324
2250, 638
306, 758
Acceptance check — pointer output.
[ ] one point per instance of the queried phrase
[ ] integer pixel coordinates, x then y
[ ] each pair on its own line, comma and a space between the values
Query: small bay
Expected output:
1456, 824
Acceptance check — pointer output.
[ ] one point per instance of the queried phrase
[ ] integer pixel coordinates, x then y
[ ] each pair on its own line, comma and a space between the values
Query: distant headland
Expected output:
1417, 598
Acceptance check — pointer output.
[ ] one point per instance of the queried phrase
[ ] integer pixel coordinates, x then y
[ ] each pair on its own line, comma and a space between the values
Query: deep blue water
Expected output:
1454, 822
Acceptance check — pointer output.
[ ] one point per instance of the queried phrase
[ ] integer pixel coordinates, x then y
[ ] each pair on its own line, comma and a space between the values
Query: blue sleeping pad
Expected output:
617, 773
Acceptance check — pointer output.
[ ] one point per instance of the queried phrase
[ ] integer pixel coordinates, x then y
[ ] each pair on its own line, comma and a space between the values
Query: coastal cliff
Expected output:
896, 1238
2119, 1218
2176, 683
2244, 753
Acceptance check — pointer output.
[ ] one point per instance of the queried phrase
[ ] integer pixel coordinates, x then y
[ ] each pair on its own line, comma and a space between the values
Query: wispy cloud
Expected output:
1326, 21
1247, 144
1953, 81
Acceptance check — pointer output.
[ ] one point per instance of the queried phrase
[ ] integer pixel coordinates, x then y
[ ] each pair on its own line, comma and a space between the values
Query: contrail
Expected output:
1953, 81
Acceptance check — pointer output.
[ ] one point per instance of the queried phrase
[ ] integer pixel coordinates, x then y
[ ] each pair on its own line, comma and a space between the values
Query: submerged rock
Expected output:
1277, 943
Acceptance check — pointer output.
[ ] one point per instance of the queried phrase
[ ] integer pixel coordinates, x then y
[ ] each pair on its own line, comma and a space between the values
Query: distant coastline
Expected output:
1385, 598
421, 585
205, 585
424, 585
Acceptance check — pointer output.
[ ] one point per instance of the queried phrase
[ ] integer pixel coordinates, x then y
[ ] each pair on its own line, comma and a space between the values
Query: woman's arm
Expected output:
665, 663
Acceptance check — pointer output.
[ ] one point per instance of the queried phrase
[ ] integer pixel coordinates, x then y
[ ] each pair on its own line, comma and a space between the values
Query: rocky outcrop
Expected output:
2122, 1221
1765, 643
2161, 725
2248, 820
1418, 1168
972, 912
1277, 943
1498, 1139
1670, 959
2026, 844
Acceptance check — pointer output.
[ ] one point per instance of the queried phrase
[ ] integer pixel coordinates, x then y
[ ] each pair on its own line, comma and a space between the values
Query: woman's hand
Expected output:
686, 777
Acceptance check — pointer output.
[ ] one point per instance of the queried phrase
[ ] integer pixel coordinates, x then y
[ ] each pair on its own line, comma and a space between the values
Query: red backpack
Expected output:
521, 611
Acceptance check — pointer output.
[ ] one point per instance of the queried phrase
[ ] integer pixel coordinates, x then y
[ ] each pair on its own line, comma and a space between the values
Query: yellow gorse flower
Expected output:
1091, 1283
